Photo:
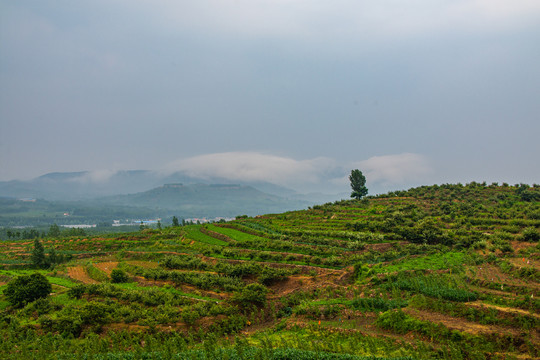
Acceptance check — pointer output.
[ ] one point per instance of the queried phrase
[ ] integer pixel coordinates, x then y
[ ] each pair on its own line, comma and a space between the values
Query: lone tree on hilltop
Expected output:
358, 184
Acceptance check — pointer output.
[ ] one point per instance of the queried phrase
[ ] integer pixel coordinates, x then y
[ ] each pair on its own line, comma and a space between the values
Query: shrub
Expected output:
361, 271
77, 291
377, 304
252, 294
357, 245
119, 276
189, 316
94, 313
437, 287
27, 288
530, 234
40, 306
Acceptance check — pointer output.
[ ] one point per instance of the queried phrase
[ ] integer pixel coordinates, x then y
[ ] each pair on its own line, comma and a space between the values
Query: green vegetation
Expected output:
358, 184
436, 272
25, 289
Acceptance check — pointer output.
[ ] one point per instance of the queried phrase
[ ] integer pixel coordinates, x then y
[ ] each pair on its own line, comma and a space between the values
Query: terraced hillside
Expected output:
439, 272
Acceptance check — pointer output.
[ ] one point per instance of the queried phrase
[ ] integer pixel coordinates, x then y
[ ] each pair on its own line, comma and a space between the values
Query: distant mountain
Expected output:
72, 186
206, 200
81, 185
183, 201
100, 195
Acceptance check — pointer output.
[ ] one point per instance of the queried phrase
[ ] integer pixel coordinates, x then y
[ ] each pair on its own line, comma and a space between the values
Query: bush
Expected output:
119, 276
77, 291
40, 306
530, 234
94, 312
377, 304
252, 294
27, 288
361, 271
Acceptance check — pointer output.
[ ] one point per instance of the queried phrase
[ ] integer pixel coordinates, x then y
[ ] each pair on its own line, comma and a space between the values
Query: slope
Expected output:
438, 272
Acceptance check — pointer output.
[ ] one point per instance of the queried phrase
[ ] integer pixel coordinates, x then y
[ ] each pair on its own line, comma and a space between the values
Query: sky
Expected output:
295, 92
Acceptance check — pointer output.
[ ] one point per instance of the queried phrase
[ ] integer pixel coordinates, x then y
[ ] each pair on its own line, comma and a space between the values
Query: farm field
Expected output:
435, 272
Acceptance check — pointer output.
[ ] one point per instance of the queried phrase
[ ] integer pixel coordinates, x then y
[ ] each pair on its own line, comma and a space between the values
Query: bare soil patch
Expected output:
509, 310
525, 262
78, 273
107, 267
520, 245
492, 273
144, 264
116, 327
460, 324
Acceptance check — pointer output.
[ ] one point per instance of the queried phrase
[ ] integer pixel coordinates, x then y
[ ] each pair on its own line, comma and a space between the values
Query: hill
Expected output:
85, 185
202, 200
183, 201
436, 272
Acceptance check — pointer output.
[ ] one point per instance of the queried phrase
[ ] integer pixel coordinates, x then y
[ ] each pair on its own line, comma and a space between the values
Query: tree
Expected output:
252, 294
358, 184
54, 231
53, 257
38, 255
27, 288
175, 222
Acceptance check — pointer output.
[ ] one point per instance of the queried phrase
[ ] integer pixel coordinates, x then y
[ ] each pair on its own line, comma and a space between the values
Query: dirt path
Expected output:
460, 324
480, 304
78, 273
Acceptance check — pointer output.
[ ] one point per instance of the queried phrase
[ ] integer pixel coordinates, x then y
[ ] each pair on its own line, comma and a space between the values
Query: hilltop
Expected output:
435, 272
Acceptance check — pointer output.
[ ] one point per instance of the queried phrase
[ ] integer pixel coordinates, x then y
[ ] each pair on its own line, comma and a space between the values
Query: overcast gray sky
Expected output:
293, 91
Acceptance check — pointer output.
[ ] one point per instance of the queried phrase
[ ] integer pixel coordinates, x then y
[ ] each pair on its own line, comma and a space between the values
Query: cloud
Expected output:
253, 166
395, 169
95, 176
315, 20
318, 174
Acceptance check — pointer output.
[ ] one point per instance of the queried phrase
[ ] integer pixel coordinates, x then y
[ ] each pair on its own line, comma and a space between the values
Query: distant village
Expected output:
147, 222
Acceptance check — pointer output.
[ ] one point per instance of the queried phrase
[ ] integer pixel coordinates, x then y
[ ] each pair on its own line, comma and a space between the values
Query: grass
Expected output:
439, 261
433, 286
13, 273
193, 232
61, 281
236, 234
167, 288
95, 273
322, 338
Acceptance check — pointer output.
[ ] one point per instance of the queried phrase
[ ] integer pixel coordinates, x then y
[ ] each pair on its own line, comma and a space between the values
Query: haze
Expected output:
290, 91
